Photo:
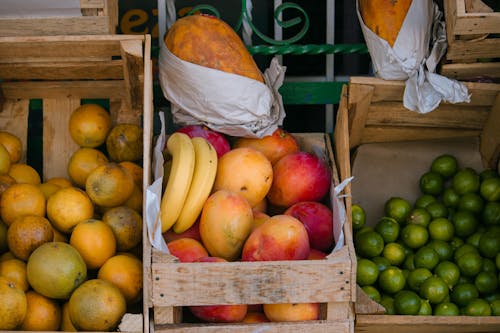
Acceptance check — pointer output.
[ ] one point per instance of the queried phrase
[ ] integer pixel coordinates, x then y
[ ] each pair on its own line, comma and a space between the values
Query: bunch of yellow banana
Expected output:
192, 175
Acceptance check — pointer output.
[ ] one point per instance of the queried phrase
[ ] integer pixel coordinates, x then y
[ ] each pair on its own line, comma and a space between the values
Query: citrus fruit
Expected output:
96, 305
367, 272
495, 307
15, 271
388, 228
465, 223
497, 261
417, 277
21, 199
470, 264
280, 312
409, 262
437, 209
388, 303
60, 181
95, 242
13, 305
475, 237
477, 307
449, 272
381, 262
13, 145
446, 165
489, 265
109, 185
358, 216
82, 162
4, 160
487, 173
5, 182
442, 248
27, 233
486, 282
372, 292
425, 308
55, 269
441, 229
407, 302
124, 143
126, 224
89, 125
66, 324
450, 197
24, 174
463, 293
434, 289
465, 181
424, 200
369, 244
397, 208
414, 235
456, 242
67, 207
431, 183
125, 272
463, 249
48, 189
3, 237
490, 189
491, 213
471, 202
419, 216
426, 257
43, 313
391, 280
489, 243
446, 309
395, 253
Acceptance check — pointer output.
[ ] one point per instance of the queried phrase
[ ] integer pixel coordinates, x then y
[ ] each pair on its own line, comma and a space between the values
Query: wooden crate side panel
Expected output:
14, 119
471, 71
474, 49
490, 137
477, 23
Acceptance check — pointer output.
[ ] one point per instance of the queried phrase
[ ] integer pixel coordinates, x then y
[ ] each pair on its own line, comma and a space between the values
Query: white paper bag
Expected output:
418, 48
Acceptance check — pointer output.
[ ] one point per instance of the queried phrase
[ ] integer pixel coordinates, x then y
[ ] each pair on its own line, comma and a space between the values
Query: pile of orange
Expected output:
70, 252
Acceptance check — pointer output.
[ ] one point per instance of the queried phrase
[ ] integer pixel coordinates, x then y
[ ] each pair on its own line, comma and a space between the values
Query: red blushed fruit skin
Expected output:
220, 313
318, 220
281, 237
218, 140
300, 176
193, 232
316, 255
187, 249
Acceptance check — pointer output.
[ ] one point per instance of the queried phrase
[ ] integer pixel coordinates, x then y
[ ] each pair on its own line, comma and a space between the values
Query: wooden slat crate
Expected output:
371, 111
61, 72
472, 30
328, 282
99, 17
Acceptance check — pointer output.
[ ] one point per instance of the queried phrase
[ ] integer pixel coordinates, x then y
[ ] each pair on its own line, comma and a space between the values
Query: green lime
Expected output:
487, 173
463, 293
424, 200
446, 309
372, 292
471, 202
437, 209
495, 307
409, 262
463, 249
465, 181
414, 235
431, 183
450, 198
425, 308
388, 228
470, 264
486, 282
465, 279
491, 213
397, 208
489, 265
456, 242
364, 228
446, 165
419, 216
477, 307
449, 272
434, 289
417, 277
426, 257
489, 243
358, 216
407, 302
443, 249
475, 237
367, 272
497, 261
490, 189
407, 249
391, 280
388, 303
381, 262
441, 229
395, 253
369, 244
465, 223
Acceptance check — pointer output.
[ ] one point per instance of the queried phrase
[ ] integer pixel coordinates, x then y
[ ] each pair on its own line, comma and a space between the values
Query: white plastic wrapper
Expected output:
420, 45
228, 103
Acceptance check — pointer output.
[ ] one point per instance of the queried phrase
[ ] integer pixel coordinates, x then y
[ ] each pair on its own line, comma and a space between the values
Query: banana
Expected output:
201, 186
180, 147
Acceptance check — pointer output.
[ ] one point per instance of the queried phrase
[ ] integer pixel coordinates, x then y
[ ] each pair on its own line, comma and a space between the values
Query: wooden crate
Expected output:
61, 72
174, 284
371, 111
99, 17
473, 40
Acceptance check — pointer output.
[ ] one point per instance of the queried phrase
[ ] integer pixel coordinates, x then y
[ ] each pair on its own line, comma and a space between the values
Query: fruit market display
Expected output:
71, 246
439, 255
261, 199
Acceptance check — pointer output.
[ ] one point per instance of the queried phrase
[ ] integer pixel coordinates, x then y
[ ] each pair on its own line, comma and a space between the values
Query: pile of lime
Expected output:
439, 255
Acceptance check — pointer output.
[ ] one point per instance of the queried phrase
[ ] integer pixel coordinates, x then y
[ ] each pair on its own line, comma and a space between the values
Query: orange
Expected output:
61, 181
13, 145
43, 314
95, 242
67, 207
3, 238
291, 311
135, 199
255, 317
135, 170
125, 143
15, 271
4, 160
5, 182
109, 185
13, 305
6, 256
24, 173
126, 225
48, 189
125, 272
82, 162
66, 324
27, 233
89, 125
21, 199
96, 305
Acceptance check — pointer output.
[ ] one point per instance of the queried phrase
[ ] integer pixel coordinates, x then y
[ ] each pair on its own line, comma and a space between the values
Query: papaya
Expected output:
208, 41
384, 17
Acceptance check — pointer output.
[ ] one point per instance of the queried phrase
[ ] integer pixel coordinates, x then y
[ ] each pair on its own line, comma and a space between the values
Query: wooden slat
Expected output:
360, 97
133, 66
14, 119
92, 3
50, 26
471, 71
490, 138
477, 23
483, 48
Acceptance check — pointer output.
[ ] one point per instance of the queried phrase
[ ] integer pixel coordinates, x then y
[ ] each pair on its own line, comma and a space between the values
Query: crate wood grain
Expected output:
329, 282
472, 30
99, 17
370, 111
61, 71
